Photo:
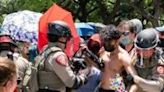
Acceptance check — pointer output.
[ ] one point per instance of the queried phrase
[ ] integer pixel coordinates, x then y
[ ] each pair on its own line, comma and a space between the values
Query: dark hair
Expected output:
109, 33
7, 70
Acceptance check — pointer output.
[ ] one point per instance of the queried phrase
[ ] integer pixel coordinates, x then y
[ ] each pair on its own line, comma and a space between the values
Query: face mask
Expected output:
109, 48
126, 40
95, 49
94, 46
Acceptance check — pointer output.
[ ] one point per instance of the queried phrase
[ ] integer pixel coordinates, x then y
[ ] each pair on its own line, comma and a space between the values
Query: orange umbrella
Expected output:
57, 13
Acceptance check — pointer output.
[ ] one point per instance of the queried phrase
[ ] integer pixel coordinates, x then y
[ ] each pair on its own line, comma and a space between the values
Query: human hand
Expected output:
137, 79
85, 71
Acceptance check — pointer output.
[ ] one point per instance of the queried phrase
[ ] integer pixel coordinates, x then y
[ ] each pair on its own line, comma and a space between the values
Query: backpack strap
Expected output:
27, 76
39, 60
45, 55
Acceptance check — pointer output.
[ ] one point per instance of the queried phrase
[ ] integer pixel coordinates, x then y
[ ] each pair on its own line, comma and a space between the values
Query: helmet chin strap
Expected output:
141, 60
62, 42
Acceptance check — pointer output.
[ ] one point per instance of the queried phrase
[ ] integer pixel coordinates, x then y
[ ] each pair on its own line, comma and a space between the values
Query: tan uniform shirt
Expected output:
153, 82
59, 74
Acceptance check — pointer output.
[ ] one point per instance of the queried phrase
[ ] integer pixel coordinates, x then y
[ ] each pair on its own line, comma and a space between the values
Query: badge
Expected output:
160, 69
62, 60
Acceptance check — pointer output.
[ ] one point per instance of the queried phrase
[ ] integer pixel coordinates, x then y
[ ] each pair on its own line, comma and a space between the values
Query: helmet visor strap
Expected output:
141, 59
63, 42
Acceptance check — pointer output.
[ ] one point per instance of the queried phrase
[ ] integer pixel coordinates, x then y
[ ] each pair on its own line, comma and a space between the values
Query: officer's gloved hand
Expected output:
78, 64
85, 71
10, 55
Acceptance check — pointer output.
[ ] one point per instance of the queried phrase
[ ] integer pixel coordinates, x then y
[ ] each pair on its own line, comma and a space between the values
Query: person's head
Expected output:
58, 31
146, 42
94, 43
129, 30
160, 31
8, 78
23, 48
135, 26
6, 43
110, 37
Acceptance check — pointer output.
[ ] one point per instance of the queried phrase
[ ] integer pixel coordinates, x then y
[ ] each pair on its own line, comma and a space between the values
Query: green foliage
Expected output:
10, 6
105, 11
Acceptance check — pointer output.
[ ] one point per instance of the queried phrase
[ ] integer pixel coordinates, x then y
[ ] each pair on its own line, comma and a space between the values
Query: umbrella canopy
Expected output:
96, 26
84, 29
22, 25
57, 13
160, 29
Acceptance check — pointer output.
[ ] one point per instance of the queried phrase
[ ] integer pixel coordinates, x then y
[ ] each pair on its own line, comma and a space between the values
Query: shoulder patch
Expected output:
62, 60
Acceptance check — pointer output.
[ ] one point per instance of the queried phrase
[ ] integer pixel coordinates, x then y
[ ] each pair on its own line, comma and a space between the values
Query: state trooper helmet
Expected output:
59, 28
146, 39
6, 38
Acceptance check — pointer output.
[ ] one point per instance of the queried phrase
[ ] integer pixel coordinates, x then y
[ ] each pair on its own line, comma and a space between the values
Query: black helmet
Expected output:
146, 39
6, 38
59, 28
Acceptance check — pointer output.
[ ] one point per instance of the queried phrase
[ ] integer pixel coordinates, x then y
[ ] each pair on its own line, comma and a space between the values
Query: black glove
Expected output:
78, 63
96, 60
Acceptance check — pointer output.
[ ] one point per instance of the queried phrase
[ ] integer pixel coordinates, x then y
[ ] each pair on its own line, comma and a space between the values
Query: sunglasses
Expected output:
125, 33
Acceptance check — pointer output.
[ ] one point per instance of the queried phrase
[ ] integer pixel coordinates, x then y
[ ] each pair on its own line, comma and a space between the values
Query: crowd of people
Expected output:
122, 58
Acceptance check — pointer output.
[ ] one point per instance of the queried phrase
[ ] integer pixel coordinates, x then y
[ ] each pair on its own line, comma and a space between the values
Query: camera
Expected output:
99, 62
78, 63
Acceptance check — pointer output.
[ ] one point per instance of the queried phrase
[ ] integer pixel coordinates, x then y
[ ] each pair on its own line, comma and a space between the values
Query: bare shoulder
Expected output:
124, 56
105, 57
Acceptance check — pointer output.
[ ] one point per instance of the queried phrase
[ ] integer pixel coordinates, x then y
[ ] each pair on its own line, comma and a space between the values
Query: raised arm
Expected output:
126, 60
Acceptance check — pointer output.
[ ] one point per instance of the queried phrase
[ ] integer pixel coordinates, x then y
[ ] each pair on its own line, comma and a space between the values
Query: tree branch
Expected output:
140, 9
90, 11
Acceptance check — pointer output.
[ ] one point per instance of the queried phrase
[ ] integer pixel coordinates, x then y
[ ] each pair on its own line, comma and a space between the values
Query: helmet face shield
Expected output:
6, 47
59, 28
146, 53
6, 42
145, 44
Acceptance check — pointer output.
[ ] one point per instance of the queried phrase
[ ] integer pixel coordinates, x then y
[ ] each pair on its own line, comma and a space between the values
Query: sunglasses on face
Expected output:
125, 33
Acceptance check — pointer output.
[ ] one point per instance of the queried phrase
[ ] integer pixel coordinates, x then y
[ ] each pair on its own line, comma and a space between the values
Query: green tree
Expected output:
105, 11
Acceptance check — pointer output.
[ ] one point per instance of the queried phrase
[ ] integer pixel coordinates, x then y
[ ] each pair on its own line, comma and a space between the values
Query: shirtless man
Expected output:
115, 59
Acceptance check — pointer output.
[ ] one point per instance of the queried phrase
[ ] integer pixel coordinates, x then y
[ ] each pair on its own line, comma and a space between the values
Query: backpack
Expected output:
30, 81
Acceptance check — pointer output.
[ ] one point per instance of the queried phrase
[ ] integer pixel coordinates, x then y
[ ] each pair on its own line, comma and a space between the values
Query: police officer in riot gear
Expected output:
147, 62
57, 63
7, 45
145, 41
8, 49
